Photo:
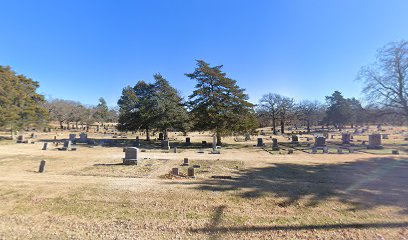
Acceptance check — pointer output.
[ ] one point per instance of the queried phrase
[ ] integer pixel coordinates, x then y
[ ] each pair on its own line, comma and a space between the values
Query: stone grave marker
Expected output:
320, 142
188, 141
67, 146
275, 146
295, 140
374, 141
45, 146
21, 139
165, 144
175, 171
345, 138
260, 142
131, 156
137, 142
161, 136
186, 162
41, 169
72, 136
191, 172
83, 137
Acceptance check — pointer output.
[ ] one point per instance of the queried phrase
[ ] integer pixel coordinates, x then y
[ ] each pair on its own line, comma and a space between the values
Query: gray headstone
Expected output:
175, 171
374, 141
45, 146
41, 169
275, 146
260, 142
320, 142
345, 138
165, 144
131, 155
191, 172
186, 162
72, 136
67, 145
83, 137
188, 141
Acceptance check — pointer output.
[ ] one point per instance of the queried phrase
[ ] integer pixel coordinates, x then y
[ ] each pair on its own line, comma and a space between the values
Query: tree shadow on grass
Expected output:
365, 183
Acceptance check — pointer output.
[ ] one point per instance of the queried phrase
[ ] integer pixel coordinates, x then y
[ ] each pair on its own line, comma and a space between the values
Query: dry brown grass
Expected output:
88, 194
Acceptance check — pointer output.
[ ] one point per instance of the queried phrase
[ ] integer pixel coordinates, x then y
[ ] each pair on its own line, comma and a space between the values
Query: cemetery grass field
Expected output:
245, 192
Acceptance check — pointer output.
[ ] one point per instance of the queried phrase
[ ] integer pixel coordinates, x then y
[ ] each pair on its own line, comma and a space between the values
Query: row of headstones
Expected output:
374, 141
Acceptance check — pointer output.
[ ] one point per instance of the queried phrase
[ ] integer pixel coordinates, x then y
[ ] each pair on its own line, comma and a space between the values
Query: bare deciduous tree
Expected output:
386, 80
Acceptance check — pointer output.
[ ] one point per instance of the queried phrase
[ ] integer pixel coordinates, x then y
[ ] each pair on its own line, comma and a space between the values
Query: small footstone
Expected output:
186, 162
42, 166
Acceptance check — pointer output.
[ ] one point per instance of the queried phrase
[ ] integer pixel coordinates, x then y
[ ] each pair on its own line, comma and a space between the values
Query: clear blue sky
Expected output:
305, 49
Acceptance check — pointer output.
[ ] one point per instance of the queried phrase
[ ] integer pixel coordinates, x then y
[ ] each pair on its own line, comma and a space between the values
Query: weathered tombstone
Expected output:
326, 134
161, 136
33, 135
395, 152
385, 136
320, 142
191, 172
188, 141
67, 145
339, 150
21, 139
345, 138
41, 169
165, 144
83, 137
275, 146
325, 150
175, 171
72, 136
45, 146
137, 142
131, 156
175, 149
314, 150
374, 141
247, 137
204, 143
351, 150
186, 162
290, 151
260, 142
295, 140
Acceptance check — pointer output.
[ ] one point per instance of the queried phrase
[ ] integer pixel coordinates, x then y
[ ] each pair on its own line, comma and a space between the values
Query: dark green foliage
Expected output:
343, 111
20, 105
151, 106
217, 103
101, 111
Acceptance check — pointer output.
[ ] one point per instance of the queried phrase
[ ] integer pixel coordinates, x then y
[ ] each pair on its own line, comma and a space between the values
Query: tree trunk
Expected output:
308, 126
61, 126
282, 126
147, 134
274, 126
218, 139
166, 135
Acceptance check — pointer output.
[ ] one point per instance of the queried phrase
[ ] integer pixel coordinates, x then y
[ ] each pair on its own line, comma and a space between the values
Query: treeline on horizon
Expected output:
217, 103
